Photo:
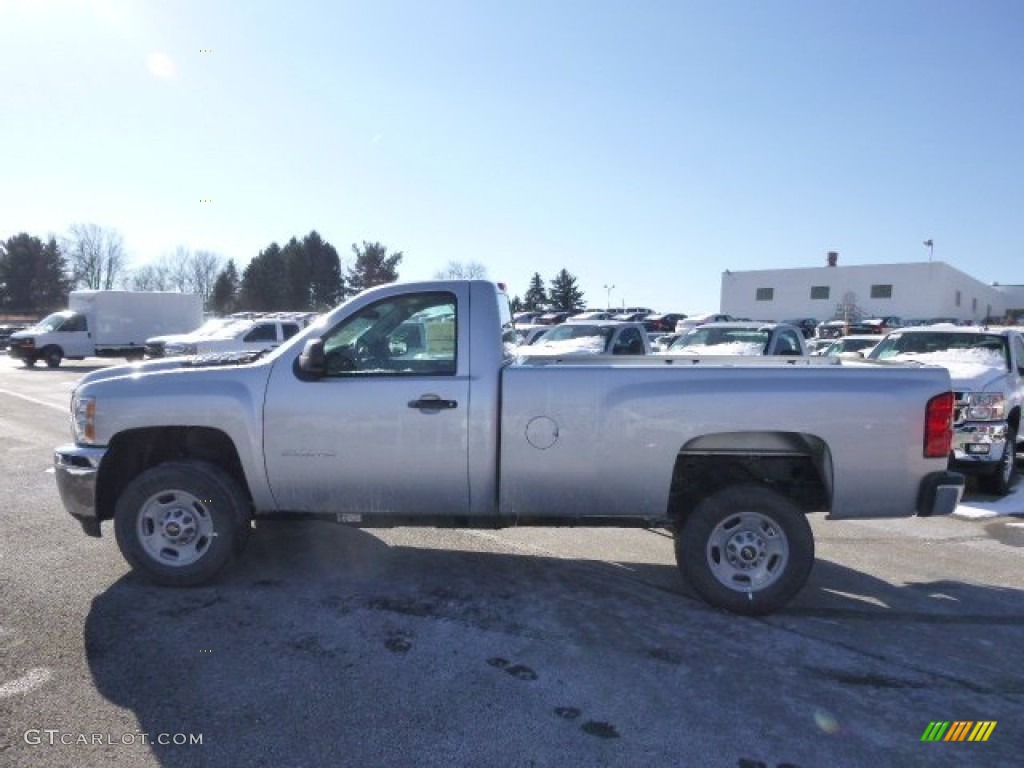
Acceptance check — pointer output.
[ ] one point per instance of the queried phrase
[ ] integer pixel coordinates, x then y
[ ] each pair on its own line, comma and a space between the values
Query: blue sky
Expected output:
644, 144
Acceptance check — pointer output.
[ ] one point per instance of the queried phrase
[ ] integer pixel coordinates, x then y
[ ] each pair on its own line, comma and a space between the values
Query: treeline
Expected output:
304, 274
562, 294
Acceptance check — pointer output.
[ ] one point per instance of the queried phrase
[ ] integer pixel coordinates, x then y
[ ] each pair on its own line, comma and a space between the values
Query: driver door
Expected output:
385, 431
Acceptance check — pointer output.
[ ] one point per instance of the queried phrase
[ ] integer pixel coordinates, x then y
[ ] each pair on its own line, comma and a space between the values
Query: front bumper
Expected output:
940, 493
978, 446
20, 352
76, 468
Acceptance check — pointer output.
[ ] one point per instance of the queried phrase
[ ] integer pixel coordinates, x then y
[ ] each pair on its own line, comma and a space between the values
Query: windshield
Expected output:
52, 322
944, 347
722, 341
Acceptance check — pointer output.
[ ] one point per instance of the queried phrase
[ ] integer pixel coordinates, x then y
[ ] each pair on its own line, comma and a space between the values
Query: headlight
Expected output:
83, 419
986, 406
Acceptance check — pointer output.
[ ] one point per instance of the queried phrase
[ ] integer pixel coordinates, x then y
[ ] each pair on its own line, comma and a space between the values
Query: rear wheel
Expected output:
999, 482
746, 549
181, 523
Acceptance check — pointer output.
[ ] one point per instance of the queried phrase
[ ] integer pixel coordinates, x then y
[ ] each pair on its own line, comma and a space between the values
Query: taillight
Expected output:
938, 426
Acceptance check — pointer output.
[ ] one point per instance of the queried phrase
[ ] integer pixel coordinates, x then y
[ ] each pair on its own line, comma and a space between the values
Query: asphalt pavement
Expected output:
332, 646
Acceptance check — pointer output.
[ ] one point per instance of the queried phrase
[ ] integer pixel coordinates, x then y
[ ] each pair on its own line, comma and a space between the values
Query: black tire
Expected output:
30, 362
53, 357
1001, 480
181, 523
746, 549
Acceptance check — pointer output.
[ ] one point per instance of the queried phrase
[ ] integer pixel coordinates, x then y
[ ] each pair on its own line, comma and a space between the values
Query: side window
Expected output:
289, 329
262, 332
788, 344
1018, 352
411, 335
630, 343
75, 323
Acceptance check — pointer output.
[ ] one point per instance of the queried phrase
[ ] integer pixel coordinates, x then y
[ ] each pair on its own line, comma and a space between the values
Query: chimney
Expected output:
833, 257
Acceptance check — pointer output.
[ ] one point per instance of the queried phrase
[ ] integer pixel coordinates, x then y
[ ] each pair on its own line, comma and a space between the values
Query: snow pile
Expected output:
728, 348
581, 345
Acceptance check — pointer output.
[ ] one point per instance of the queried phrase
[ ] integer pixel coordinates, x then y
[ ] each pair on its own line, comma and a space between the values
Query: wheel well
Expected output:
794, 465
134, 451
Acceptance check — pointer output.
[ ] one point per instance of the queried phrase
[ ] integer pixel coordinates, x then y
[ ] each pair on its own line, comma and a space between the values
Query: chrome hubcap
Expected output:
175, 528
747, 551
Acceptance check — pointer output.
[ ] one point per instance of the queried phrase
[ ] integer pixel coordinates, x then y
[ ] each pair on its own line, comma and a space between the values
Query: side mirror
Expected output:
312, 362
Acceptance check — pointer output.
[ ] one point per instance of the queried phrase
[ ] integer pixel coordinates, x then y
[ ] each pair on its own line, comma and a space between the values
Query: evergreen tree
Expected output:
33, 275
372, 267
535, 297
326, 287
264, 285
224, 298
515, 304
565, 295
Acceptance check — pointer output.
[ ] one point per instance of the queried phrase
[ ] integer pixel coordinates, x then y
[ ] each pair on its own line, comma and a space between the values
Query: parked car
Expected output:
733, 338
156, 345
590, 315
707, 317
660, 341
860, 344
552, 318
807, 325
986, 367
731, 459
606, 337
876, 325
629, 317
6, 329
529, 333
666, 323
526, 317
833, 329
241, 336
817, 346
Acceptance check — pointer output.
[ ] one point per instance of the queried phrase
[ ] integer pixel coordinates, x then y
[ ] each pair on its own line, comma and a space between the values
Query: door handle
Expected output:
433, 403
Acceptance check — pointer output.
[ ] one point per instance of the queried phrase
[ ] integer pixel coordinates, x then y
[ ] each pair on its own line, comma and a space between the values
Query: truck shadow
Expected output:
324, 641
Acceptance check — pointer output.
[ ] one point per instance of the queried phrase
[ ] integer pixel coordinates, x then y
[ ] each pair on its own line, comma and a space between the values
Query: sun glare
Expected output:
160, 65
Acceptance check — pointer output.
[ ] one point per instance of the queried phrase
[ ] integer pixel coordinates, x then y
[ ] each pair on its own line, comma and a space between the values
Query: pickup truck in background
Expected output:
602, 337
986, 367
356, 421
106, 324
740, 338
239, 336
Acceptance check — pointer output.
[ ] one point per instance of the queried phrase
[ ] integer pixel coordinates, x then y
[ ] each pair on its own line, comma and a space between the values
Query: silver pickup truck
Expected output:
355, 422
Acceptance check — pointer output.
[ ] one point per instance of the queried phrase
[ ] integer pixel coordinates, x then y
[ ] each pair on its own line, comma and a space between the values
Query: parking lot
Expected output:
328, 645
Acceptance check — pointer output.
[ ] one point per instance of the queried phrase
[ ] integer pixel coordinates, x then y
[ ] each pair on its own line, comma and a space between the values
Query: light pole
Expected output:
609, 288
930, 245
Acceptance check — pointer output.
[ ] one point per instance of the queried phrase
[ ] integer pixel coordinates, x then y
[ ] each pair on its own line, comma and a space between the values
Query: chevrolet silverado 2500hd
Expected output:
352, 421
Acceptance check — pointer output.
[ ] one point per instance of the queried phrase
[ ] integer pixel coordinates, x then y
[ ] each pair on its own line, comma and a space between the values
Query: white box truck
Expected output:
106, 324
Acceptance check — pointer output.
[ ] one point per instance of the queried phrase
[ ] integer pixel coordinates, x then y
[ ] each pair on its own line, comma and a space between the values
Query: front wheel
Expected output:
1000, 481
181, 523
53, 357
746, 549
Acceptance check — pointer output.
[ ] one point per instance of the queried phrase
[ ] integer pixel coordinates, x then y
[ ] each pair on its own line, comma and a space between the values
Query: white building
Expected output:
919, 290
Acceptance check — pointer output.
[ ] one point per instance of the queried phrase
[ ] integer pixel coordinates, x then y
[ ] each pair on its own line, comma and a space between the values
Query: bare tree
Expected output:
203, 268
458, 270
183, 270
96, 256
149, 277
